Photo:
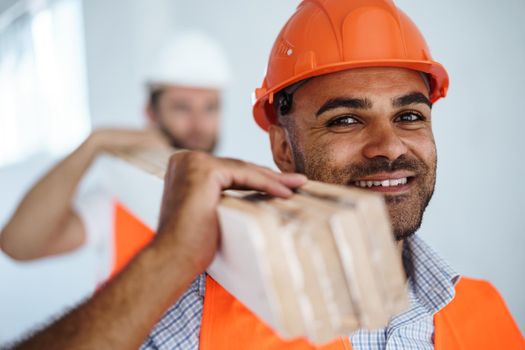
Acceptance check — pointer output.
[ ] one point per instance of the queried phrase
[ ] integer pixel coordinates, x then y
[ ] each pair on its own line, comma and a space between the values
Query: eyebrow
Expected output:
348, 102
411, 98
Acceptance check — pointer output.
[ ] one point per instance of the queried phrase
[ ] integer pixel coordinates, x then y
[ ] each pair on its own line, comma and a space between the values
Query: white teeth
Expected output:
384, 183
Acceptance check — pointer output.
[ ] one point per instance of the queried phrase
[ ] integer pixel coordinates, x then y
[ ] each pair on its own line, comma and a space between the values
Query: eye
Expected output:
345, 120
212, 108
410, 117
180, 108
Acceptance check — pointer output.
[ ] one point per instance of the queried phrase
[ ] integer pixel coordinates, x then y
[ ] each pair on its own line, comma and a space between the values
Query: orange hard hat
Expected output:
326, 36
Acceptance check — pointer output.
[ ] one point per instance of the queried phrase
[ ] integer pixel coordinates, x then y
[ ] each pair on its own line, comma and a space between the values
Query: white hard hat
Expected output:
191, 59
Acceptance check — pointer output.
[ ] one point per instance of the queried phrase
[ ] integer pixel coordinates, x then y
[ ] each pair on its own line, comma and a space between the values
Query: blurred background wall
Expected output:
476, 219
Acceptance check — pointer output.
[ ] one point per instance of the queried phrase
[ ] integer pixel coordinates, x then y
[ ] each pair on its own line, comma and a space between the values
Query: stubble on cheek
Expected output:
406, 211
319, 165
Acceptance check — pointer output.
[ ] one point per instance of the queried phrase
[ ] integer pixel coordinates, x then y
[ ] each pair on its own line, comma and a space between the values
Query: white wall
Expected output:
476, 218
32, 292
120, 38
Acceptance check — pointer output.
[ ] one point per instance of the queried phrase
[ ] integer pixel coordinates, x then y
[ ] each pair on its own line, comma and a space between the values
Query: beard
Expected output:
406, 211
179, 143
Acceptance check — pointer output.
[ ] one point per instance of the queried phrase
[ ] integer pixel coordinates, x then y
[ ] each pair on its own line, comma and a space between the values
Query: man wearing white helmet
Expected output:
184, 88
183, 109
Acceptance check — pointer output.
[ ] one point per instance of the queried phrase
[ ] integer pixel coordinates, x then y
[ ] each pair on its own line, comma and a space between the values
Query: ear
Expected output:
281, 149
151, 116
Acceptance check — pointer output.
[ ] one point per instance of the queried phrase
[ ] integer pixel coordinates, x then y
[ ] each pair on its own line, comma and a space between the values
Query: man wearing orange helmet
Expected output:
347, 99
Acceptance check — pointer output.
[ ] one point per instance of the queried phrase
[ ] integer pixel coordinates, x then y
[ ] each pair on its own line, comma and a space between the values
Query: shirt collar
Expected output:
430, 278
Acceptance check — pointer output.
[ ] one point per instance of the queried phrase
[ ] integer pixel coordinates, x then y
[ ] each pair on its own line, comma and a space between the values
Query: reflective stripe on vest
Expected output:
477, 317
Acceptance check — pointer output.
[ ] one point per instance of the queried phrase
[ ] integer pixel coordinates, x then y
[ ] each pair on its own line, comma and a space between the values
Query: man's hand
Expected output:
121, 139
40, 227
192, 189
120, 315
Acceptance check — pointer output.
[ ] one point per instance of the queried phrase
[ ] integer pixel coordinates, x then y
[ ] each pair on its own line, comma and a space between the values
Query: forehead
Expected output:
373, 83
189, 93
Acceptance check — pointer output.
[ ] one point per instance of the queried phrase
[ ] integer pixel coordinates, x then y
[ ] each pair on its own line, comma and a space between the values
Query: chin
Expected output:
405, 219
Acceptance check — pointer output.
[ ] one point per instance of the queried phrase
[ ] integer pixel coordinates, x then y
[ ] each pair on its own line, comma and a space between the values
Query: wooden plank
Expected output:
319, 265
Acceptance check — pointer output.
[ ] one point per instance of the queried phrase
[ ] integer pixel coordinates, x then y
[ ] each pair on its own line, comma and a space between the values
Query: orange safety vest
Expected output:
476, 318
130, 235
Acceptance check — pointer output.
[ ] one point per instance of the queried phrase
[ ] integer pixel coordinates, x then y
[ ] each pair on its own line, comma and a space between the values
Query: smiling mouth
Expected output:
383, 183
394, 186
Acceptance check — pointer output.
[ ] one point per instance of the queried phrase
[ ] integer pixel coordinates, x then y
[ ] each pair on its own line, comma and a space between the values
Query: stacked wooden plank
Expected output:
319, 265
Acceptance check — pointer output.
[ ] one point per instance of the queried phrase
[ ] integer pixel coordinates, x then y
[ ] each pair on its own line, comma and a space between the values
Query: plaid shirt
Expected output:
431, 287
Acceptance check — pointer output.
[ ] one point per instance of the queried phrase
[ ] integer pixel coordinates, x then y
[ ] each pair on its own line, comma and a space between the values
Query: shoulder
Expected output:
93, 205
477, 292
478, 315
95, 210
475, 296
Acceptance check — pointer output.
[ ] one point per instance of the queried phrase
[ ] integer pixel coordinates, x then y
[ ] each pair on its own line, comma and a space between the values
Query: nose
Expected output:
383, 141
200, 119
